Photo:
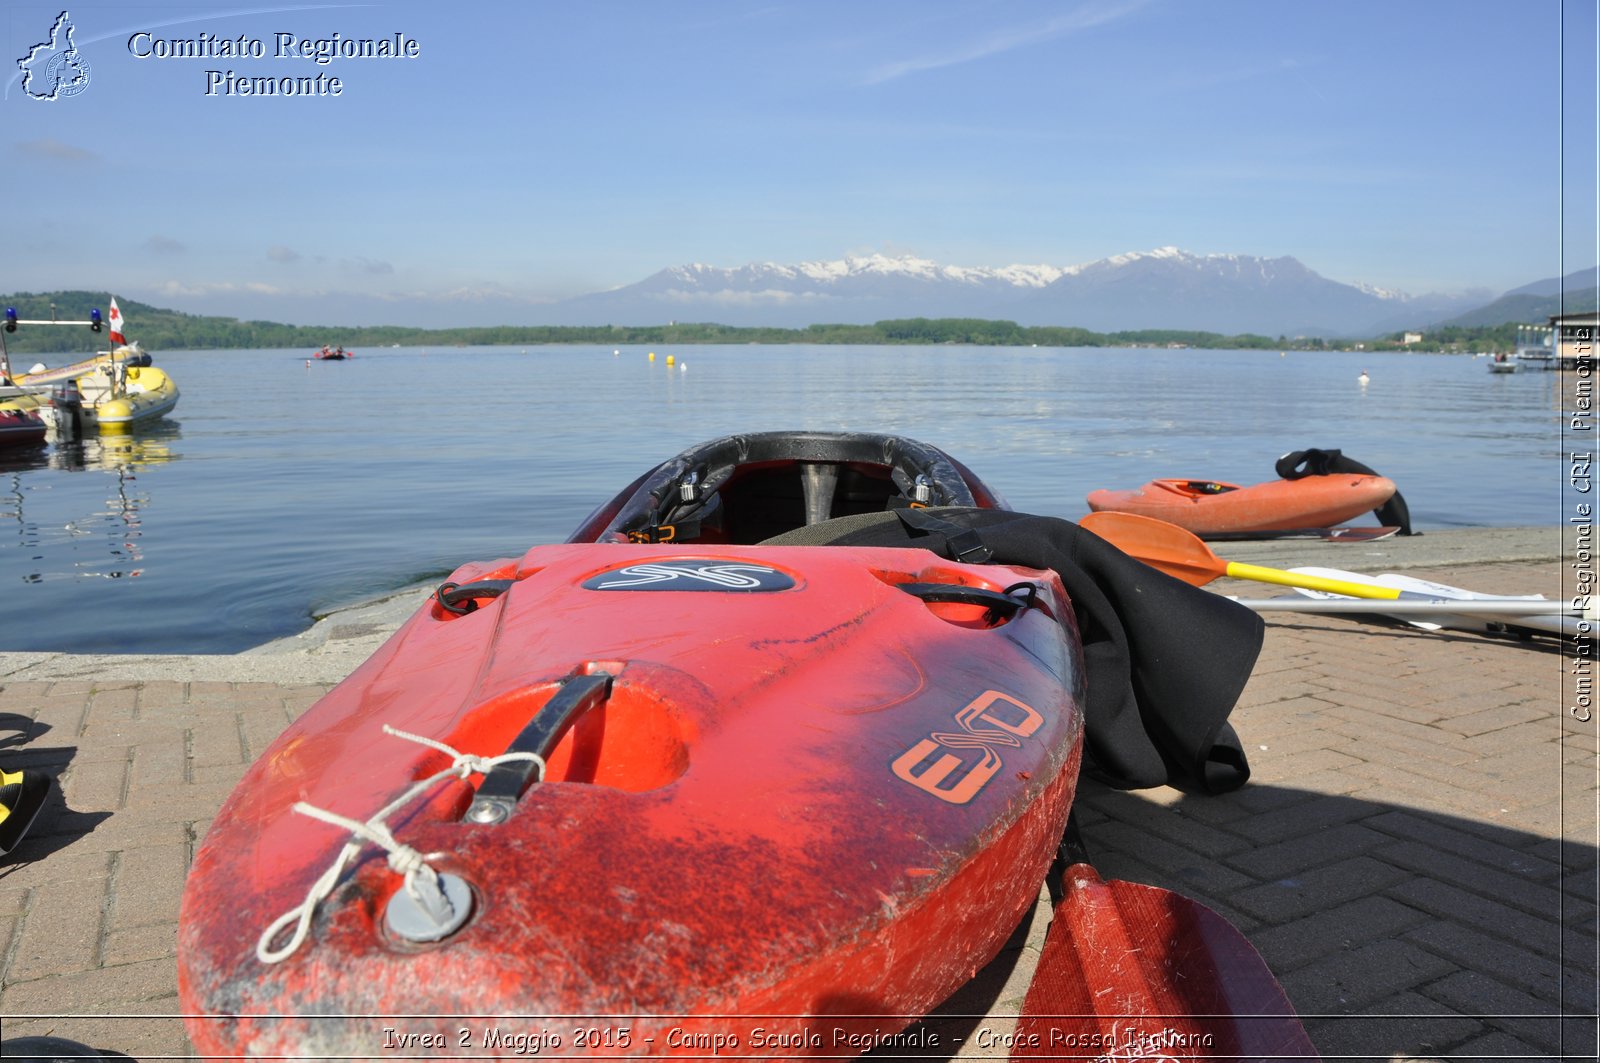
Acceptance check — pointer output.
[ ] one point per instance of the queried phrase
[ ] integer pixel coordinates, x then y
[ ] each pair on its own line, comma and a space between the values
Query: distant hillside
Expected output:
1526, 308
156, 328
1582, 279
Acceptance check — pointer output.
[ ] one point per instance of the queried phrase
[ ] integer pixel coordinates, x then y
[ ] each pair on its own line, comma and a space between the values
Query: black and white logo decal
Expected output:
690, 575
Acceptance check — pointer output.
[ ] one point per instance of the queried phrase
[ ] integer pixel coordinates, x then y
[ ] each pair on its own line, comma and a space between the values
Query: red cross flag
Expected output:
116, 325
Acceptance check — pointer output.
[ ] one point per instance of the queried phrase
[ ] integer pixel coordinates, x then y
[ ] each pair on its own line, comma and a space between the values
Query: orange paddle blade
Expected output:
1130, 971
1158, 544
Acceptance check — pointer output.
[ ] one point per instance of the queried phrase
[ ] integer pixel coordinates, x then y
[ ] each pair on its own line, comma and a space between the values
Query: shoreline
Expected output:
342, 638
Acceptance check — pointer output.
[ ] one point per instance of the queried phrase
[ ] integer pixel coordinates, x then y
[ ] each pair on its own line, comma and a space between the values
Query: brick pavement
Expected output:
1415, 855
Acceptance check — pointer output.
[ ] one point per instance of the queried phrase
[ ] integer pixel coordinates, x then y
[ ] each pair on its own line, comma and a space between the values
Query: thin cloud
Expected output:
1006, 40
56, 151
374, 267
280, 253
164, 245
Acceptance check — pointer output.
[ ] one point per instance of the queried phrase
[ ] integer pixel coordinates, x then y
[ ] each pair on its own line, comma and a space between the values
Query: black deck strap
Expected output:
1298, 464
1164, 662
503, 786
961, 544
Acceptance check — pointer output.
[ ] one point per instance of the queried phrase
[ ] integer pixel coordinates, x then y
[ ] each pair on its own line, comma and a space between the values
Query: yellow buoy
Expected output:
670, 360
652, 356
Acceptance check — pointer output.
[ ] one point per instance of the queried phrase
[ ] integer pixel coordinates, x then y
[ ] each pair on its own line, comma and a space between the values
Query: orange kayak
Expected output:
714, 780
1207, 507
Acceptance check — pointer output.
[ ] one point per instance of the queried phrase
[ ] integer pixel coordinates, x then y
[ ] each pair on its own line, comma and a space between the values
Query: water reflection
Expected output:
63, 531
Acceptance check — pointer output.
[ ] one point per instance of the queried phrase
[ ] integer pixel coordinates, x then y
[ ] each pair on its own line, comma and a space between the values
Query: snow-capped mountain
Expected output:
1164, 288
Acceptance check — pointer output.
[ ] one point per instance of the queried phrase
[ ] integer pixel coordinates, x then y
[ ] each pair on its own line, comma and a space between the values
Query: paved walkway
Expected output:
1415, 855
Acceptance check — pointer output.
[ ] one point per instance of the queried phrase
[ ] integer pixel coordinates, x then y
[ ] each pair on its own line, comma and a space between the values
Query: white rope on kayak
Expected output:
403, 859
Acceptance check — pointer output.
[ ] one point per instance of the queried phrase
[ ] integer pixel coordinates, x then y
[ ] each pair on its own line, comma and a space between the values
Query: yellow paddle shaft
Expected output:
1260, 574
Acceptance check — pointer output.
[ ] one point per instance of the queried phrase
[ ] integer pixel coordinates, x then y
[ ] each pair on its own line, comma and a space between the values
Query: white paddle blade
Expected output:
1462, 609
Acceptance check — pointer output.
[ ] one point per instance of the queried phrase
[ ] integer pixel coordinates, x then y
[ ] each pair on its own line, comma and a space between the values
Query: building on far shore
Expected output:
1574, 339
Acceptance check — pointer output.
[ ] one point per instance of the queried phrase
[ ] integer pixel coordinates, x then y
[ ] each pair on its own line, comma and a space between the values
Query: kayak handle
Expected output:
1001, 605
462, 598
505, 783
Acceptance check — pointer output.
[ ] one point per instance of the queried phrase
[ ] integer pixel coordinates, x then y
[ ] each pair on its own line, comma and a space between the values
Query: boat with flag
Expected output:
111, 393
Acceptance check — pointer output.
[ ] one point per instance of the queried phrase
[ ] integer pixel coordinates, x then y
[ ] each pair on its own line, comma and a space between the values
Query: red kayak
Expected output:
690, 794
1207, 507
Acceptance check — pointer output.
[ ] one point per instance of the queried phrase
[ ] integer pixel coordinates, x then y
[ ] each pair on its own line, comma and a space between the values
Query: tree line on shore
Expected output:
157, 329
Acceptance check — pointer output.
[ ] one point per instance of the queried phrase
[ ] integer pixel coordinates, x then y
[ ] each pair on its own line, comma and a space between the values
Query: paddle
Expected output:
1469, 610
1343, 534
1408, 607
1180, 553
1130, 971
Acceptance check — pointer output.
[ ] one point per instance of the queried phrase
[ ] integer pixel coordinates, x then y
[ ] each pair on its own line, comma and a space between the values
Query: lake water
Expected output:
278, 489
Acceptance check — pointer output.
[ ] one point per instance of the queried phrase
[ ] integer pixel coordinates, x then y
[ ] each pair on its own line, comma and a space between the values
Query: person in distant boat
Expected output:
22, 795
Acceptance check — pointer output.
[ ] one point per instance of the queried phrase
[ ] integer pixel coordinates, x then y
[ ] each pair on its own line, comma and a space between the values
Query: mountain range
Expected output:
1162, 289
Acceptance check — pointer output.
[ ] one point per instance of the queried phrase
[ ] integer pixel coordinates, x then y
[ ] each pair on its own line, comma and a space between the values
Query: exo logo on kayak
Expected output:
954, 766
693, 574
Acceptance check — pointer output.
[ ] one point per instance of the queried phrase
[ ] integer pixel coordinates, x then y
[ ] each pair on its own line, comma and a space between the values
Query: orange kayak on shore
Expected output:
1209, 507
704, 792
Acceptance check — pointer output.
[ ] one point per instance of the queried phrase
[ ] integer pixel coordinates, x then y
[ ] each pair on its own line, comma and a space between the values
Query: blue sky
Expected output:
538, 150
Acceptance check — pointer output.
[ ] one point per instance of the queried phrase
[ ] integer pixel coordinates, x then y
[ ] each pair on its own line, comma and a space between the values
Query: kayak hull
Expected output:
1213, 508
822, 796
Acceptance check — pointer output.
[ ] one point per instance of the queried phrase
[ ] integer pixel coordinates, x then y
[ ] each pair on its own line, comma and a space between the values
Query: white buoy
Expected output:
1363, 378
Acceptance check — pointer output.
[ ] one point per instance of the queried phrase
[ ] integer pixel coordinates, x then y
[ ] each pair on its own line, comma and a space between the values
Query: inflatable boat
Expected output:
111, 394
113, 399
20, 426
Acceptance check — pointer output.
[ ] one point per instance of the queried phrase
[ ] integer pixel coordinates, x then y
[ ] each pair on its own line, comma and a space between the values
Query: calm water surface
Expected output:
277, 490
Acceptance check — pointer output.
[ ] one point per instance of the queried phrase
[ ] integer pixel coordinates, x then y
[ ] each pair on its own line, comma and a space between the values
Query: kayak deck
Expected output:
813, 788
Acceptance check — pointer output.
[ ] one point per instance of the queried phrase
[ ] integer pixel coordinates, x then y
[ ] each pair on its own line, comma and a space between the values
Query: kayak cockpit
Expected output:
745, 489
